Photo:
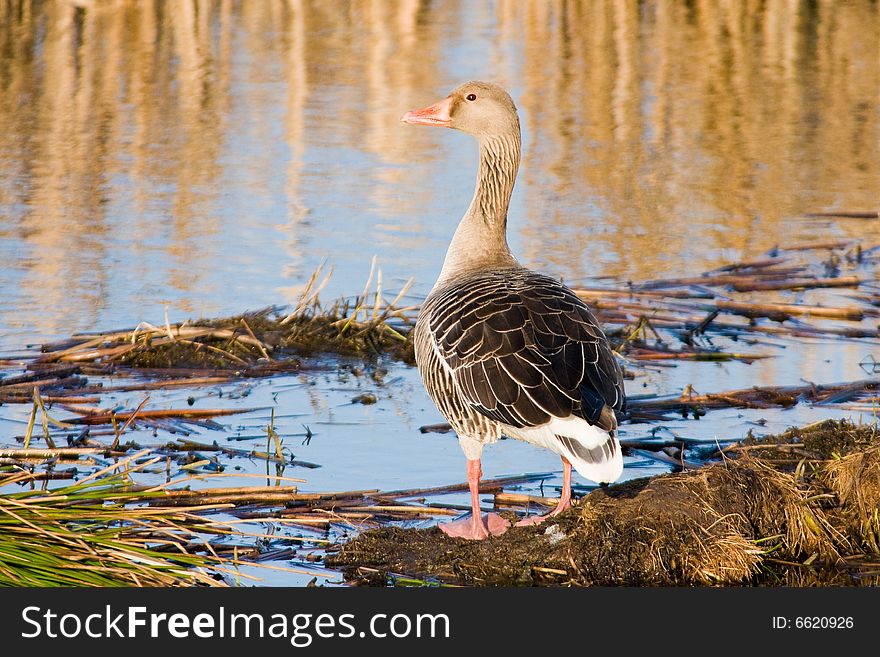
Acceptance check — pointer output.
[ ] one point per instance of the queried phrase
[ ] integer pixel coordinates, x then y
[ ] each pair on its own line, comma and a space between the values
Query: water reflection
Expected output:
208, 154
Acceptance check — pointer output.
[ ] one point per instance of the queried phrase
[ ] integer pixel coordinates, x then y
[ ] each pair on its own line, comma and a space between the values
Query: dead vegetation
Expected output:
784, 294
800, 508
259, 343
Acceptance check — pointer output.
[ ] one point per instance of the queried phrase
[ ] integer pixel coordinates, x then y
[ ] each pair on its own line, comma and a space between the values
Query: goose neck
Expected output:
480, 241
499, 162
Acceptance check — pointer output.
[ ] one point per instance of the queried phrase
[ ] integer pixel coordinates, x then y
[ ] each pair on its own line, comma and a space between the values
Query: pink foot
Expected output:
476, 528
564, 499
535, 520
531, 520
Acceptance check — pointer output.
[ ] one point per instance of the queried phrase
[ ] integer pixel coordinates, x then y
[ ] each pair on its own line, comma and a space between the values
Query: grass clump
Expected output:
261, 342
101, 532
69, 537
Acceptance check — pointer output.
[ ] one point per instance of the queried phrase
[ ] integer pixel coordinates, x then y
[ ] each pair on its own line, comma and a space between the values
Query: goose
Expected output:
504, 350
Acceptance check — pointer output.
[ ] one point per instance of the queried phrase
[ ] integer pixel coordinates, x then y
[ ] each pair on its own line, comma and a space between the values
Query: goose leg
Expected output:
477, 526
564, 497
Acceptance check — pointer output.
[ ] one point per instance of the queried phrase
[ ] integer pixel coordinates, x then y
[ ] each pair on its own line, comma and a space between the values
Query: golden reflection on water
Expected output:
210, 152
701, 126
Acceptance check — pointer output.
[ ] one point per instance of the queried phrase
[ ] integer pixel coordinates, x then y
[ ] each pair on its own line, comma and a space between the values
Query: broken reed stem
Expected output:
223, 352
752, 309
45, 418
309, 295
128, 422
275, 496
180, 333
519, 499
844, 215
273, 435
803, 283
762, 396
168, 324
260, 344
366, 291
71, 453
378, 302
104, 418
30, 424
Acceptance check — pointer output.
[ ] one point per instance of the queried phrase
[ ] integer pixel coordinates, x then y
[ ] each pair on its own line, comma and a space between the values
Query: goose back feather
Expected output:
510, 351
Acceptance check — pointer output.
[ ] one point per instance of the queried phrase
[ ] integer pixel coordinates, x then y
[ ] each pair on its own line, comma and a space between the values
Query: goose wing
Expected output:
522, 349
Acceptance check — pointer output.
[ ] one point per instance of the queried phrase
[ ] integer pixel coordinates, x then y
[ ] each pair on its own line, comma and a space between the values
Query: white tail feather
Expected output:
567, 436
602, 472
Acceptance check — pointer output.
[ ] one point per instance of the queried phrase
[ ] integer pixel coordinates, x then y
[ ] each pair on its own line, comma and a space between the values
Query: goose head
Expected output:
482, 109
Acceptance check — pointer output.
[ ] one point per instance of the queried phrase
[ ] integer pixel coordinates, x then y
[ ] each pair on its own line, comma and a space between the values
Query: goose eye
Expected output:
471, 96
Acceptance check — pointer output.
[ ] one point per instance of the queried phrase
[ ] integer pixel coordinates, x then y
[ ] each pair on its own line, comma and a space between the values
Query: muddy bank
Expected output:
800, 508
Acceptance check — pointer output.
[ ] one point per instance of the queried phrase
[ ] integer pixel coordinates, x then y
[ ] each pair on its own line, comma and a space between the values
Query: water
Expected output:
205, 157
209, 155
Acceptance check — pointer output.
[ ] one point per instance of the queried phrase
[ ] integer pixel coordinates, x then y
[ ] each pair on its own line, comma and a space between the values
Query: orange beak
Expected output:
437, 114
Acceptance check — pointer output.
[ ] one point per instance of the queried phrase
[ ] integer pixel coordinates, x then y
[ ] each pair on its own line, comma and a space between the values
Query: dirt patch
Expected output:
799, 508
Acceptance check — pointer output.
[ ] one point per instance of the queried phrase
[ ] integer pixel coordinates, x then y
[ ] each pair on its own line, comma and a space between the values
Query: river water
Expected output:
208, 155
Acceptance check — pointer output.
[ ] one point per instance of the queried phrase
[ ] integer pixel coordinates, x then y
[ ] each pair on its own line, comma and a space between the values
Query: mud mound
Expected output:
752, 518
